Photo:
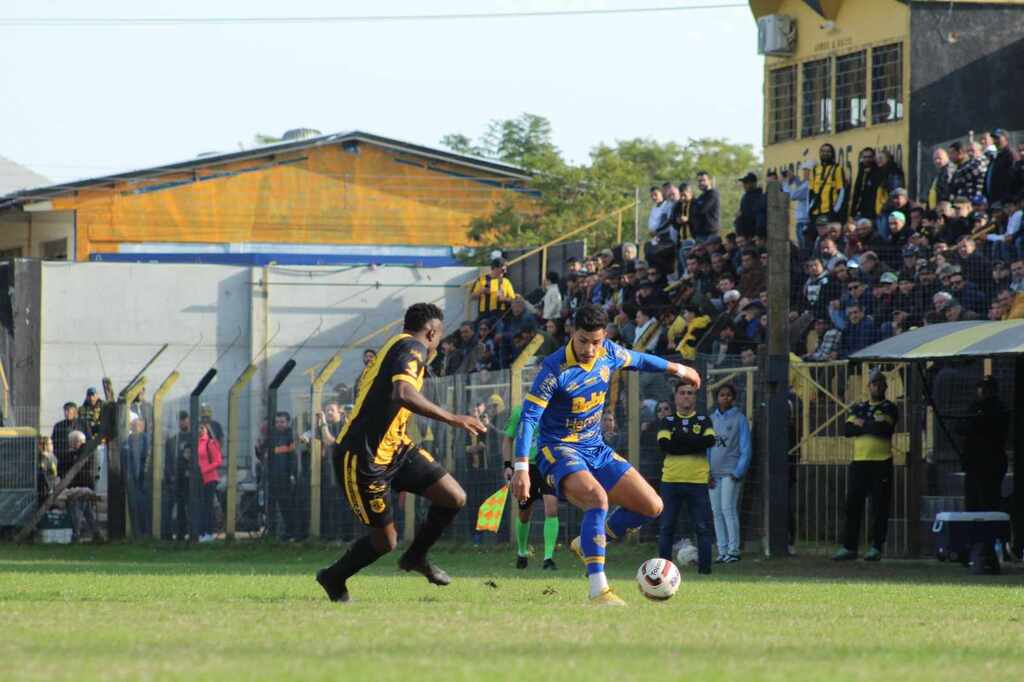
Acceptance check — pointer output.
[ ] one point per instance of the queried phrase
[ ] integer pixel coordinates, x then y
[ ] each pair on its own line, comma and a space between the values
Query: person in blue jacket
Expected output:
730, 460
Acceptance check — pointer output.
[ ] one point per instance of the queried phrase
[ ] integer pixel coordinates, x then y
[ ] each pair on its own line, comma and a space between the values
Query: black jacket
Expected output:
753, 217
985, 428
1000, 182
865, 193
705, 215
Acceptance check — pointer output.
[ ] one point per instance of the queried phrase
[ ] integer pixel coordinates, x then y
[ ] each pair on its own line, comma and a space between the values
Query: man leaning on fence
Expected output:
871, 425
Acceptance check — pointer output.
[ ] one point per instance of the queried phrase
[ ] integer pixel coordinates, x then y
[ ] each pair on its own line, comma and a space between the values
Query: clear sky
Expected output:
82, 100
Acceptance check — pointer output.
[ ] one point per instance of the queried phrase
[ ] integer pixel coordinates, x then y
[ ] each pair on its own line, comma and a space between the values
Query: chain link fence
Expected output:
283, 484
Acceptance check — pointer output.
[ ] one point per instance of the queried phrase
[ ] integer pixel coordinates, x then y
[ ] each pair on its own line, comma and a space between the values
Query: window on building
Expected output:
55, 250
887, 83
851, 91
782, 104
817, 102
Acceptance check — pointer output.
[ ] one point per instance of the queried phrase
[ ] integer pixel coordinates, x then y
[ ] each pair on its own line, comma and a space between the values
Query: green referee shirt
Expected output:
513, 423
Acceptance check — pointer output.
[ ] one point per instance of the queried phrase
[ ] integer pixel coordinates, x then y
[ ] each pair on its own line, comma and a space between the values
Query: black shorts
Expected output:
368, 489
538, 487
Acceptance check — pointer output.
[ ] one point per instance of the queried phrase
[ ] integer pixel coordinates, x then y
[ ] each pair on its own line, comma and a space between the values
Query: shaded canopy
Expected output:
950, 340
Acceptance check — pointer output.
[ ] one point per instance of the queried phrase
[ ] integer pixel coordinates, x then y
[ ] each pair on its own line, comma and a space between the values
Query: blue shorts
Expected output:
558, 461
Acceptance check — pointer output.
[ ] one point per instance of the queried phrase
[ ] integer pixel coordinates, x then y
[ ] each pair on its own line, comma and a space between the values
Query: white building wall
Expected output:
107, 319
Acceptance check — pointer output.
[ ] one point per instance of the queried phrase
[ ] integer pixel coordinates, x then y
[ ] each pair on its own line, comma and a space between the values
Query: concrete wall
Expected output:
110, 318
967, 64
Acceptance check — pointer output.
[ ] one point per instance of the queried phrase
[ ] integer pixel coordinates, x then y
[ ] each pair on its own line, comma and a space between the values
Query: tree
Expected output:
570, 196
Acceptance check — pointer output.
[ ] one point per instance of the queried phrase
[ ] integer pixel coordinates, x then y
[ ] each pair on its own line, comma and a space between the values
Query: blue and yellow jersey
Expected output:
567, 397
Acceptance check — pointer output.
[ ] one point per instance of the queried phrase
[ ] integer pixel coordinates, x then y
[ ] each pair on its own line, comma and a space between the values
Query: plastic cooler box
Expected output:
956, 532
55, 528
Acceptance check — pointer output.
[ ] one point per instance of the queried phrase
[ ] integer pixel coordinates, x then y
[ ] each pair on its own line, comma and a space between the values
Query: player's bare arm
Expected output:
406, 395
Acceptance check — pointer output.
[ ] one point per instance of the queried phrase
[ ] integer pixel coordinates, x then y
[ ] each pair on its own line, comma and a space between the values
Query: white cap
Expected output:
731, 295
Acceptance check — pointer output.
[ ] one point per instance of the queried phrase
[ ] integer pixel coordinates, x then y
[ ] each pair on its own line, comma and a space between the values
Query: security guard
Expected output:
871, 425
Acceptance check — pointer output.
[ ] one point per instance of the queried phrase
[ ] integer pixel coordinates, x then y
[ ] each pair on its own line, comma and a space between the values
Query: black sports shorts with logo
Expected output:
368, 486
538, 487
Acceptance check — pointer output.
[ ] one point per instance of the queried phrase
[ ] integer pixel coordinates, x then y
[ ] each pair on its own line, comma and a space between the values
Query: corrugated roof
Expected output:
489, 165
15, 177
949, 340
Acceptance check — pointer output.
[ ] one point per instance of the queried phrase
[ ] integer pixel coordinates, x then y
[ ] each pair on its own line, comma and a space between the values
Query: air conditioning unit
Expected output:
776, 35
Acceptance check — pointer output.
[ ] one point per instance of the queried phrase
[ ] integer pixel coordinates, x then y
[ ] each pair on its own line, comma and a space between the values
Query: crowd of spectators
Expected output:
868, 261
85, 493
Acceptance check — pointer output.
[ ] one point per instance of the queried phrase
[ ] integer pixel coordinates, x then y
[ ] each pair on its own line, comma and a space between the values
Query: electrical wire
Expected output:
102, 22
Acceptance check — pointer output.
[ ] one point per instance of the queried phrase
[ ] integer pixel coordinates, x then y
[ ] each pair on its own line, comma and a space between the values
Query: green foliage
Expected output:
570, 196
261, 139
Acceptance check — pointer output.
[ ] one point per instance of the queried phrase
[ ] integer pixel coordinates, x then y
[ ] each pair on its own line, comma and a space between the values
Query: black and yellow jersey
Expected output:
489, 289
872, 442
376, 429
685, 439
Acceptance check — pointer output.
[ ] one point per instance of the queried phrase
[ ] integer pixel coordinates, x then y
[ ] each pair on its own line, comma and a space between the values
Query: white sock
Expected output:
598, 583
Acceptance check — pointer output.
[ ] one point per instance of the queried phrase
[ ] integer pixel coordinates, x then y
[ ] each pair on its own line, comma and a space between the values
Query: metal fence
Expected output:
165, 497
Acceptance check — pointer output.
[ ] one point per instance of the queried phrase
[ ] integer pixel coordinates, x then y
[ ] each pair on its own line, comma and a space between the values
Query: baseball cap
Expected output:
978, 200
898, 215
731, 295
899, 192
888, 278
749, 177
91, 391
877, 377
606, 252
1000, 132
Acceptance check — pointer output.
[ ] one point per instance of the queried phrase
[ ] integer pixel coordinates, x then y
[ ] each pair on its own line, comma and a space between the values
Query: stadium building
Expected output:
323, 199
900, 75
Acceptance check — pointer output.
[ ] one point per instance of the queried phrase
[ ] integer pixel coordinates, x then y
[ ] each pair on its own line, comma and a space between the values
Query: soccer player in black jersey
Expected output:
374, 455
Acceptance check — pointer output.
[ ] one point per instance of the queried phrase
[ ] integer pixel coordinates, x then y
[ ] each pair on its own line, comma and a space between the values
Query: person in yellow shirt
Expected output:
684, 438
871, 425
493, 292
828, 187
697, 324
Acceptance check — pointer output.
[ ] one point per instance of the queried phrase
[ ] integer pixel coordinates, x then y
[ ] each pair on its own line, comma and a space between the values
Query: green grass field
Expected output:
254, 612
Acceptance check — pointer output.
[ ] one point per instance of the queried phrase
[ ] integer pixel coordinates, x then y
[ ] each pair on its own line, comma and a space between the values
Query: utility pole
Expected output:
776, 474
636, 219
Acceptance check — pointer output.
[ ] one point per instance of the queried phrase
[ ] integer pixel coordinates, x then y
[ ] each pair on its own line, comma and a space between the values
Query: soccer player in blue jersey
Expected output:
566, 401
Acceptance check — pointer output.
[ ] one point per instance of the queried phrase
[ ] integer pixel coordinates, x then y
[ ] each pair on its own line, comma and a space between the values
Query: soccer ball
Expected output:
658, 579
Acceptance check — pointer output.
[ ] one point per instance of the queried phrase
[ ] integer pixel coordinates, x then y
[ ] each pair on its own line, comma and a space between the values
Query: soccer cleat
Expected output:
577, 548
334, 593
843, 554
607, 598
549, 565
873, 554
730, 558
434, 574
522, 562
720, 559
